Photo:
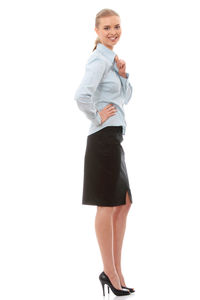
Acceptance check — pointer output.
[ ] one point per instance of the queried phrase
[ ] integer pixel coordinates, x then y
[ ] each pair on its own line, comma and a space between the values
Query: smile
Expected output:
113, 38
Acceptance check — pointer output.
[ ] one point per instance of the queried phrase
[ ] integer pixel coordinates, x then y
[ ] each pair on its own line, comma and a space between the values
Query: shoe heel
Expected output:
108, 290
103, 288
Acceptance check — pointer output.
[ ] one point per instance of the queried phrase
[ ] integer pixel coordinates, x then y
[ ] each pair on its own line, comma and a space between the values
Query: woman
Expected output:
101, 95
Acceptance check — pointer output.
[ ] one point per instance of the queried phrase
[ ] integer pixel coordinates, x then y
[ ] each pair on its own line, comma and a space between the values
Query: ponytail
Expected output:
96, 42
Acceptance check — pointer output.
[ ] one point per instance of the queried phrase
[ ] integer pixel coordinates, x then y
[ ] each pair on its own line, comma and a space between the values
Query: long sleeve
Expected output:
127, 88
94, 72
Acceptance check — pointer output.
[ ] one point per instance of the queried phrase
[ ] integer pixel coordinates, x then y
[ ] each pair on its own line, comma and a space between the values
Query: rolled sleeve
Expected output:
94, 72
127, 88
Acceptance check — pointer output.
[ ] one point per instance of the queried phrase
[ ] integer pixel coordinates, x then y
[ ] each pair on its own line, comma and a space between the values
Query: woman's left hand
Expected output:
121, 65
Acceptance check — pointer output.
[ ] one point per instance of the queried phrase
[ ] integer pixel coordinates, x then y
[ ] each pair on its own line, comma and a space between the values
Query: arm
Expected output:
126, 87
94, 72
120, 67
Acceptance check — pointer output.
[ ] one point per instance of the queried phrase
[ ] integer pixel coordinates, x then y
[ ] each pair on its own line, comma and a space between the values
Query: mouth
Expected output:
113, 39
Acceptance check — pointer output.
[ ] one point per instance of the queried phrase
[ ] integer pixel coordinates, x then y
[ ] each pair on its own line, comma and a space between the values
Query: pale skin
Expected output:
110, 222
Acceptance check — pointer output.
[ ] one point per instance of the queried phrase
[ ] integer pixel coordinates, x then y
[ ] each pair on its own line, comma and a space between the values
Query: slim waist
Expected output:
107, 135
108, 129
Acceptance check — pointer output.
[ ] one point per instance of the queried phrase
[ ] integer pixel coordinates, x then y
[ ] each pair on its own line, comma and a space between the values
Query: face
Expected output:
109, 31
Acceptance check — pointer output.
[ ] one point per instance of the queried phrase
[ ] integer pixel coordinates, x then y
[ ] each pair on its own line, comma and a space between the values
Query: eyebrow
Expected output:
109, 25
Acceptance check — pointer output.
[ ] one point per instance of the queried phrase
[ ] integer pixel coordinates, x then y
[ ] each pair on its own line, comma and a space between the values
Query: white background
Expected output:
48, 245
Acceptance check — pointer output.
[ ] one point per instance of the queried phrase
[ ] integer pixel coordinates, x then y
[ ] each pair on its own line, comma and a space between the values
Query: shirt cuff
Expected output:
124, 80
97, 119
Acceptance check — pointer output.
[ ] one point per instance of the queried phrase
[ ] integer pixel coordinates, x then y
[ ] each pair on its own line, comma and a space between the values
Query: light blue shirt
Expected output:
100, 86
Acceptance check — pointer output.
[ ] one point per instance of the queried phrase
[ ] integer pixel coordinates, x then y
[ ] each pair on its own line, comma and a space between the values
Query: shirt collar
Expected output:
110, 54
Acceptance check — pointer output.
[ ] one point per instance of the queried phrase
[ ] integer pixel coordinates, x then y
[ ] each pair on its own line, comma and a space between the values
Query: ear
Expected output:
96, 30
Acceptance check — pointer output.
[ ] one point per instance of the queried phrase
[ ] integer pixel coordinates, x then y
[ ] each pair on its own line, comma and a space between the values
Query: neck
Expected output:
108, 46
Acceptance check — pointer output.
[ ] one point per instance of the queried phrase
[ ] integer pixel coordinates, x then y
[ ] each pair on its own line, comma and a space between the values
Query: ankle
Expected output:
110, 272
114, 278
121, 277
119, 272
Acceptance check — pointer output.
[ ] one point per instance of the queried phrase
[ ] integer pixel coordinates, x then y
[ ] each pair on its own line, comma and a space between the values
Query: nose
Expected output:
113, 32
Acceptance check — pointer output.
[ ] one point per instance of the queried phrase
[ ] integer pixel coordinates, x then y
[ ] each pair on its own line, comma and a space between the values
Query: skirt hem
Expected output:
112, 205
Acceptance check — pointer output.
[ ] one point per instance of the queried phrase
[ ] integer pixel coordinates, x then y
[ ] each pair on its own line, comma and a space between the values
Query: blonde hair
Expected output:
106, 12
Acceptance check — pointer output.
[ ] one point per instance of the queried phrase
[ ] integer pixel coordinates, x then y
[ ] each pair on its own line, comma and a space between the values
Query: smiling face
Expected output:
109, 31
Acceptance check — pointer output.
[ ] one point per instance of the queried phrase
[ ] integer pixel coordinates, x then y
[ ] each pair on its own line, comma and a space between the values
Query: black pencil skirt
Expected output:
105, 180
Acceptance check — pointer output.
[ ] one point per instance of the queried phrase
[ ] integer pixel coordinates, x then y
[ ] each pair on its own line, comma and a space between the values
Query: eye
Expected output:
106, 28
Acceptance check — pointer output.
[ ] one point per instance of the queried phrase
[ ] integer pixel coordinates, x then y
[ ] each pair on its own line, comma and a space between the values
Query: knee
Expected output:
121, 210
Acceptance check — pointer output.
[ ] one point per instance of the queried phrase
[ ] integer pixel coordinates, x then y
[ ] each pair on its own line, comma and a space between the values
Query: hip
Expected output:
108, 135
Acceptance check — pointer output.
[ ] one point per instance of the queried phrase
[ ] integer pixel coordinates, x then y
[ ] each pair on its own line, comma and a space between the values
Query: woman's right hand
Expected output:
108, 111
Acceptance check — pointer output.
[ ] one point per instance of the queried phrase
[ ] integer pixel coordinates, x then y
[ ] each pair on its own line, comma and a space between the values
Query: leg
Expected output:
104, 233
119, 226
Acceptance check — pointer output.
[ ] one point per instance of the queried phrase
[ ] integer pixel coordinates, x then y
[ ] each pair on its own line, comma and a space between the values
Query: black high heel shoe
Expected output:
130, 289
104, 279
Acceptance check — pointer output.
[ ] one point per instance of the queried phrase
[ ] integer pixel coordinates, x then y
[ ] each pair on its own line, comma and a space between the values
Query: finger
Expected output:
110, 104
112, 112
111, 108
